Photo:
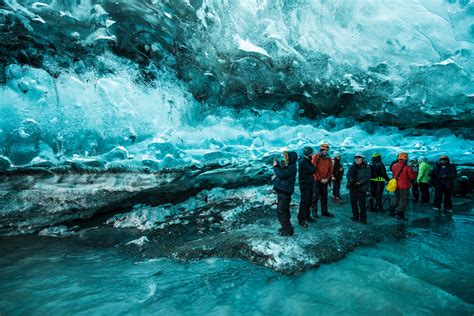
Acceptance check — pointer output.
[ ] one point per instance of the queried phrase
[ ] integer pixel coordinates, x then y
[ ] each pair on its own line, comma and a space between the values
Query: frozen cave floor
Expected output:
253, 235
241, 229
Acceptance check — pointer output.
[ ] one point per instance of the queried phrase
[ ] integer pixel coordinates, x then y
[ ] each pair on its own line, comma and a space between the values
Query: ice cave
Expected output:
168, 157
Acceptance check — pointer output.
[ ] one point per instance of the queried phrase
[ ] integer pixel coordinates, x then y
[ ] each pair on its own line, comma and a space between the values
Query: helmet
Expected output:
307, 151
324, 147
374, 155
337, 154
444, 157
361, 155
403, 156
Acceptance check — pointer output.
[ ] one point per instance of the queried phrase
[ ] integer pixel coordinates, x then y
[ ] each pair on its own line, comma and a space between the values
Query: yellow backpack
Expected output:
392, 184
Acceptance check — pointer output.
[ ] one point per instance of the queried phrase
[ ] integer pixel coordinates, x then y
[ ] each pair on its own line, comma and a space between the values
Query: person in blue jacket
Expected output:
284, 185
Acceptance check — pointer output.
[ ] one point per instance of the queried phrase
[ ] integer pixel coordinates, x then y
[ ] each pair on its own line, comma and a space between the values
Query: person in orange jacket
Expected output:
404, 175
323, 164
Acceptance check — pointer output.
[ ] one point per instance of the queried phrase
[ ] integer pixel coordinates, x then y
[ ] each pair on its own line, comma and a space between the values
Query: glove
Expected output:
351, 185
324, 181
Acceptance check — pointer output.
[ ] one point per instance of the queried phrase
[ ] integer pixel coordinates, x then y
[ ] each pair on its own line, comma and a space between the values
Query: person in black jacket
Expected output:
378, 177
306, 180
284, 185
358, 183
443, 177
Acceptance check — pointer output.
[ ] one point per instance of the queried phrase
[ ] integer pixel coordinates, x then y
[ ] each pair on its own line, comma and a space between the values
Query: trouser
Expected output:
358, 202
425, 192
320, 191
305, 202
440, 190
415, 191
336, 188
283, 211
400, 202
376, 192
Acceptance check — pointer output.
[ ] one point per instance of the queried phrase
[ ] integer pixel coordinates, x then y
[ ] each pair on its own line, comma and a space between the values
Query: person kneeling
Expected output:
358, 184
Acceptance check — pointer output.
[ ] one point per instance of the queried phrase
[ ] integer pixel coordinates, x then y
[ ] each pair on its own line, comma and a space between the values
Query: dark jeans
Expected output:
336, 188
320, 191
415, 191
425, 192
358, 203
440, 190
376, 192
283, 211
305, 202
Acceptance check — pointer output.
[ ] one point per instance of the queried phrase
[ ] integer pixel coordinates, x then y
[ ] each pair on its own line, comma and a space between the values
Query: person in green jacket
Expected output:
423, 180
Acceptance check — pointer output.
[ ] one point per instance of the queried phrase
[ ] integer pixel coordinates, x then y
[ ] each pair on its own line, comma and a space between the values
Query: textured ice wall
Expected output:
139, 81
405, 63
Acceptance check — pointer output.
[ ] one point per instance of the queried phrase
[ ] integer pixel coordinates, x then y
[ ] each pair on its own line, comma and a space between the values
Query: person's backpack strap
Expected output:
400, 172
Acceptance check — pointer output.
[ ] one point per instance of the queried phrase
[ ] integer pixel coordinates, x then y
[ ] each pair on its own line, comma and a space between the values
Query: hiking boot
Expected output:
401, 216
311, 220
449, 210
327, 214
436, 209
354, 218
363, 221
392, 211
302, 224
283, 232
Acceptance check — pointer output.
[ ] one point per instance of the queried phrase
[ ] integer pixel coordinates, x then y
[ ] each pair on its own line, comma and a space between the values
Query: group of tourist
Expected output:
316, 171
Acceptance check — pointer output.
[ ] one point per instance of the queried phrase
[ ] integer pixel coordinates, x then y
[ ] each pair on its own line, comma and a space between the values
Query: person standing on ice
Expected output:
404, 174
337, 174
305, 180
378, 177
284, 185
423, 180
414, 184
323, 164
358, 178
444, 175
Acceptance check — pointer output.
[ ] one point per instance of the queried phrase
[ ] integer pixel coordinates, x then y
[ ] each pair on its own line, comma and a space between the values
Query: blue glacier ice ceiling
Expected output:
86, 77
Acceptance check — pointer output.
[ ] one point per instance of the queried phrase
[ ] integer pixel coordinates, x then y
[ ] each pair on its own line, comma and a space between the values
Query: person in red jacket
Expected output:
404, 175
323, 164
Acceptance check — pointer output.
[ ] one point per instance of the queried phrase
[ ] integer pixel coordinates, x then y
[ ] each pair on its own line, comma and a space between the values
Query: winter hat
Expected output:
375, 155
361, 155
403, 156
444, 157
324, 147
307, 151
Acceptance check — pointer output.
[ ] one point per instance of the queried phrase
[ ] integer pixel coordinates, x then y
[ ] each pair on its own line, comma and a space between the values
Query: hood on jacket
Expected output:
290, 157
377, 159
